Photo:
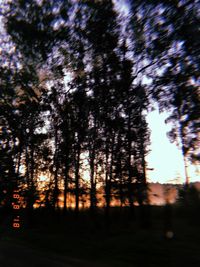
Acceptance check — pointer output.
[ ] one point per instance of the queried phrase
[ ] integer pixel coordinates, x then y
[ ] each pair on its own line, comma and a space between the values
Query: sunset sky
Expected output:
165, 157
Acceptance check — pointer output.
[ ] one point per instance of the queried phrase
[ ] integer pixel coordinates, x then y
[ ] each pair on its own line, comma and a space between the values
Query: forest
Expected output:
77, 80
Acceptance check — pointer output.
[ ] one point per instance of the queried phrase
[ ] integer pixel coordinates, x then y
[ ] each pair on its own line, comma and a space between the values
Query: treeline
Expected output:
77, 79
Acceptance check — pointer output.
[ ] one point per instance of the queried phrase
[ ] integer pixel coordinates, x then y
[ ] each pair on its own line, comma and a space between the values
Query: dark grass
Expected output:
126, 243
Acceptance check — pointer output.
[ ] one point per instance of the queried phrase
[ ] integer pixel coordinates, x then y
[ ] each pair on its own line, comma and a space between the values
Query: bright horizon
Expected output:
165, 158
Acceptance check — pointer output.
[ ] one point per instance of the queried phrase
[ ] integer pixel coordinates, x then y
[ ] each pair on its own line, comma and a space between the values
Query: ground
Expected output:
78, 242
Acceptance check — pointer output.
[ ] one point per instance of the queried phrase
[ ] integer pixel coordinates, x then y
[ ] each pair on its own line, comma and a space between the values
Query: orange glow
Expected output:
16, 196
16, 207
16, 225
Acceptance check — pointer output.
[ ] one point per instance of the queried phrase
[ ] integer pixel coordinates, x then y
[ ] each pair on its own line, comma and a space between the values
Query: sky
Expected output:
165, 158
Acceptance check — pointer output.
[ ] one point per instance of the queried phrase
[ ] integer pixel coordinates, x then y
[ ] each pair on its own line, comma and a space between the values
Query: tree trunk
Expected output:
92, 182
107, 190
130, 185
55, 193
92, 172
66, 184
77, 178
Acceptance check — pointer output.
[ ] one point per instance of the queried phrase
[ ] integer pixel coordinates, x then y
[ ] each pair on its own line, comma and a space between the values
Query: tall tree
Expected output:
169, 42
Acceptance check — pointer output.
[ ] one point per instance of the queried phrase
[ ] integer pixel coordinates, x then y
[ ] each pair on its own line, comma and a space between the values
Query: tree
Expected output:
169, 40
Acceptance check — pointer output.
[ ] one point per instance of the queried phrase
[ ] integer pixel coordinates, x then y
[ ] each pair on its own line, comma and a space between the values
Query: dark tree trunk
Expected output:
130, 180
77, 178
92, 172
107, 190
92, 182
66, 183
56, 165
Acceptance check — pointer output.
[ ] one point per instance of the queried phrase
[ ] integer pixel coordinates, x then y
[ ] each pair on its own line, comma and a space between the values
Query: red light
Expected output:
16, 225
